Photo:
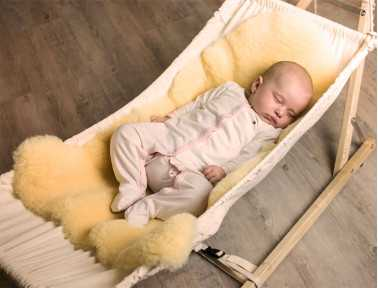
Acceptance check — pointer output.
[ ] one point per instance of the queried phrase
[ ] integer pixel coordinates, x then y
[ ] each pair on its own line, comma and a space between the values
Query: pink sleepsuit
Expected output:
218, 128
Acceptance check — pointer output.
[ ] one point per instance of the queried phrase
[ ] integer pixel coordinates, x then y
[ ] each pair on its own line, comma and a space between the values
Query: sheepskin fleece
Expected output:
112, 236
74, 186
168, 244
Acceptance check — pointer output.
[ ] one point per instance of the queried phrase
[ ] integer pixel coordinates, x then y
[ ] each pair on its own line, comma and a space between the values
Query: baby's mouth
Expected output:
270, 119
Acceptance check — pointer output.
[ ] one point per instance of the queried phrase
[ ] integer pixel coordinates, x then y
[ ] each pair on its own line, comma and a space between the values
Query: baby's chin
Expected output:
265, 117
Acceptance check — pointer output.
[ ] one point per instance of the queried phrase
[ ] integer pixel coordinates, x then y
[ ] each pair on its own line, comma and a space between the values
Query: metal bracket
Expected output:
236, 267
212, 255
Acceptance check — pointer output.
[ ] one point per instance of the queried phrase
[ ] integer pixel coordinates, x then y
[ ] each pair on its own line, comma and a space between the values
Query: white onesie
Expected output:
218, 128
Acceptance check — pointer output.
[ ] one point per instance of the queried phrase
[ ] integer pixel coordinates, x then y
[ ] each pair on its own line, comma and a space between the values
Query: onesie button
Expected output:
254, 122
172, 173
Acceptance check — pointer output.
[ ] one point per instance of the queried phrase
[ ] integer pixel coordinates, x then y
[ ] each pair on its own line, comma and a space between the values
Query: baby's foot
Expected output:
124, 201
138, 214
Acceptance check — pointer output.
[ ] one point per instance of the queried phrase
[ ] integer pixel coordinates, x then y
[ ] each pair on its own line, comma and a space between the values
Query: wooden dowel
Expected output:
296, 233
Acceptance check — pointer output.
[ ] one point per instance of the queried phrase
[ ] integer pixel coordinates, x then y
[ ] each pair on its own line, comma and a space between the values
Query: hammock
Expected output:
35, 251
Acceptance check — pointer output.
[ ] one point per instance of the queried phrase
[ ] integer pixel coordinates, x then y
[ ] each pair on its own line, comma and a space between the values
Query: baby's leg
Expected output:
188, 194
128, 160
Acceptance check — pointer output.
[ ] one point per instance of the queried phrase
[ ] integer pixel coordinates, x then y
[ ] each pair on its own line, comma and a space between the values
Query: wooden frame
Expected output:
343, 170
264, 270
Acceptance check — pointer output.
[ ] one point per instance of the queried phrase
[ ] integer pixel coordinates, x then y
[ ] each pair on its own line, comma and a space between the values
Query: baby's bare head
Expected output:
286, 71
281, 93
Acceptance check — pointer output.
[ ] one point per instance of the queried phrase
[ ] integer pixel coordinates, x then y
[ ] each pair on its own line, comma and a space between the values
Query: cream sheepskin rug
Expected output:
74, 186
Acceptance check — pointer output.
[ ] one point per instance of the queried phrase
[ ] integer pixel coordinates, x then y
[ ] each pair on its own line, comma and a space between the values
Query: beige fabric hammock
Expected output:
229, 47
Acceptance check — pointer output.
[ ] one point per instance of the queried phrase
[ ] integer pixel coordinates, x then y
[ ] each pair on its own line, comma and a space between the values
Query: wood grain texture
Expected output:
65, 65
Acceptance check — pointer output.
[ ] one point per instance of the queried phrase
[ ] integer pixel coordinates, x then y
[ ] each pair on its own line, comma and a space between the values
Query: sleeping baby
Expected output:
182, 155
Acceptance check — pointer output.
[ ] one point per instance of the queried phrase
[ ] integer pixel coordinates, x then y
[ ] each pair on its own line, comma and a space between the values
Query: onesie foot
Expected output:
124, 201
138, 214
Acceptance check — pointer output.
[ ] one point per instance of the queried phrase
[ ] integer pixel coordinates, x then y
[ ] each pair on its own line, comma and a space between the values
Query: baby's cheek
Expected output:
269, 106
260, 104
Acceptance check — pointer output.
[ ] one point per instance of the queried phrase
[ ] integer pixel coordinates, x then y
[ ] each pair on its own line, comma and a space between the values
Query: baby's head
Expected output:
281, 93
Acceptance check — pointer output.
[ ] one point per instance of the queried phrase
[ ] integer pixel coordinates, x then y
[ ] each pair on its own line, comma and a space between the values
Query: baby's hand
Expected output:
155, 118
213, 173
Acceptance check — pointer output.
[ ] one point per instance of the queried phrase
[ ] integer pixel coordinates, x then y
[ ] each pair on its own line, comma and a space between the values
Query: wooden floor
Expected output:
65, 65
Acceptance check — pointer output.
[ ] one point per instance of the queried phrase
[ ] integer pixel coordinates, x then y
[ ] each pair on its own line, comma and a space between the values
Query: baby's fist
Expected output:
155, 118
213, 173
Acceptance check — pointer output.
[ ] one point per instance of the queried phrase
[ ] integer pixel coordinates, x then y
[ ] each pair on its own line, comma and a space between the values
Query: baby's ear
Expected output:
256, 84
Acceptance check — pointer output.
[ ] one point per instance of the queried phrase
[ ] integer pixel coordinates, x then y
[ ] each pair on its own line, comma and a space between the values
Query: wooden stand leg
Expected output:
350, 112
351, 103
261, 274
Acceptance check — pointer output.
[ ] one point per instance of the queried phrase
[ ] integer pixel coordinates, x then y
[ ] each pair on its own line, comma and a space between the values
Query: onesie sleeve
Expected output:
203, 98
249, 151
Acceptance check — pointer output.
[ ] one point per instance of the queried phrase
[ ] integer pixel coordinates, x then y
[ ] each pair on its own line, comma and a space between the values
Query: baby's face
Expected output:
278, 101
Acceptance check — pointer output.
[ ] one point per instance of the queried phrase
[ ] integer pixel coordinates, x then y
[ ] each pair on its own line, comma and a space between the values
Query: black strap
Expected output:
216, 253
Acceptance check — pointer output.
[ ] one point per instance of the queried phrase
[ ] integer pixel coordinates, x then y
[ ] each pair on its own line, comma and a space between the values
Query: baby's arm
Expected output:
249, 151
184, 108
175, 113
215, 173
195, 104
